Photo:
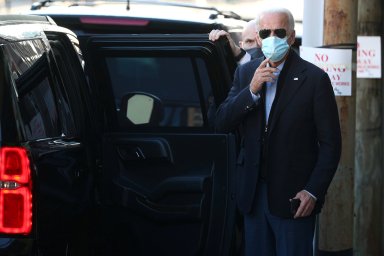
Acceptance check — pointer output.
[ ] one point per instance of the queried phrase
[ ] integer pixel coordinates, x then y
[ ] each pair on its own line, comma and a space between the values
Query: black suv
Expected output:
119, 159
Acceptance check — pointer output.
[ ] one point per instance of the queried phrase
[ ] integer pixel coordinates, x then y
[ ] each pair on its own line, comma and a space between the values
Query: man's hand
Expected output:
307, 204
264, 73
216, 34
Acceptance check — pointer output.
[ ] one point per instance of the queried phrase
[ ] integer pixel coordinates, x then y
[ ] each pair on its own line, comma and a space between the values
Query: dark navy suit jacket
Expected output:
303, 141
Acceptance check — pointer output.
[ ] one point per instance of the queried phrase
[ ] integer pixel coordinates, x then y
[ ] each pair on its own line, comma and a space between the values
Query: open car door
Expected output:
166, 186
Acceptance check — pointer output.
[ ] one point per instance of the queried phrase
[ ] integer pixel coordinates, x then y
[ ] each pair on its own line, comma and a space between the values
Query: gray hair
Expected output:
291, 21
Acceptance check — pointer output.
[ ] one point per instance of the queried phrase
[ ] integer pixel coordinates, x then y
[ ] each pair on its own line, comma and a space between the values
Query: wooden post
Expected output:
368, 239
336, 219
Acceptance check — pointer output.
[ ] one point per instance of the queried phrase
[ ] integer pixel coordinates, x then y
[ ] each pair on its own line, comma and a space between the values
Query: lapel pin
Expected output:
295, 78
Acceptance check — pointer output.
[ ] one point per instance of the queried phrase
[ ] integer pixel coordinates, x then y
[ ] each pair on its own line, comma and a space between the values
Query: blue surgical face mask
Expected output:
274, 48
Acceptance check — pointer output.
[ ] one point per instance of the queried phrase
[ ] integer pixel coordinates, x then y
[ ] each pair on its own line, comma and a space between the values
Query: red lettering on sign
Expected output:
366, 53
335, 77
321, 57
340, 68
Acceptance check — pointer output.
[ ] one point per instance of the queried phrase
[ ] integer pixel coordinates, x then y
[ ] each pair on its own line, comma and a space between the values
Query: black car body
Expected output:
121, 159
46, 161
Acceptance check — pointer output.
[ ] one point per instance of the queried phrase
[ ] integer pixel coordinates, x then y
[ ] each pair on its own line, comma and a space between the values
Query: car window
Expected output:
63, 75
39, 112
42, 106
181, 83
37, 107
69, 71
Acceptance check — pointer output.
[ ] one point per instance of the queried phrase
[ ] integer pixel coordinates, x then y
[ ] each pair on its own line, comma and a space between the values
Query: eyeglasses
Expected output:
280, 33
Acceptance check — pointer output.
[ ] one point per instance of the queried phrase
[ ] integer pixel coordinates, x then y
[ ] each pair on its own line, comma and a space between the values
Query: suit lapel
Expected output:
290, 80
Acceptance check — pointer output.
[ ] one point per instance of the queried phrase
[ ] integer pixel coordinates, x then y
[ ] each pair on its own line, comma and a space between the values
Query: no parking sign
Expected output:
336, 62
368, 57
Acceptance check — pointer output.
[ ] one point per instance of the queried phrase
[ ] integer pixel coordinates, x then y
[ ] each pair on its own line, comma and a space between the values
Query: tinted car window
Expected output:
43, 103
68, 93
39, 112
33, 82
181, 84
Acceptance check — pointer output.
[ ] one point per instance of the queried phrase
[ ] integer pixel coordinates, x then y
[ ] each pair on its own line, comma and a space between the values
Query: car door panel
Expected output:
165, 188
192, 193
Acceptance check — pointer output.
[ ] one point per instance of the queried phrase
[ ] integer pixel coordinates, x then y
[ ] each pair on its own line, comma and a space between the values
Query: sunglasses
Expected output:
280, 33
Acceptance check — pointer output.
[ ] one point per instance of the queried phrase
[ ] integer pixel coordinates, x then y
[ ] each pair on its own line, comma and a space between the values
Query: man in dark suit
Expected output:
248, 47
286, 112
248, 40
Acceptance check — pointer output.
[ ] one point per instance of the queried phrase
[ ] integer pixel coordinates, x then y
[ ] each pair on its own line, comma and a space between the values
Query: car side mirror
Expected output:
141, 108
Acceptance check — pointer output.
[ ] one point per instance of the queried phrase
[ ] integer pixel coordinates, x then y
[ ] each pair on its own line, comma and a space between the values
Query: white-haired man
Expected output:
286, 112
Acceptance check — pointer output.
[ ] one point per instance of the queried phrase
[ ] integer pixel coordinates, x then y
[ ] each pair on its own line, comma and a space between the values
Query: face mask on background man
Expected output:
274, 48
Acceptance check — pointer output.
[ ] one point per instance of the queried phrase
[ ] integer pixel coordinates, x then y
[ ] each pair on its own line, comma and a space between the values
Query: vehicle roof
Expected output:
166, 12
148, 9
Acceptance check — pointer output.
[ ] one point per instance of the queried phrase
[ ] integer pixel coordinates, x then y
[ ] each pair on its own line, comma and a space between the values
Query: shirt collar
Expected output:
280, 67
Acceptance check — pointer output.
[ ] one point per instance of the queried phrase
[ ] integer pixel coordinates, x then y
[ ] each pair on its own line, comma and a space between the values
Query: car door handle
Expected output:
150, 149
127, 153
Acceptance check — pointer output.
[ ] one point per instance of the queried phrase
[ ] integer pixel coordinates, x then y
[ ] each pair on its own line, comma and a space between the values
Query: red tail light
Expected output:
15, 191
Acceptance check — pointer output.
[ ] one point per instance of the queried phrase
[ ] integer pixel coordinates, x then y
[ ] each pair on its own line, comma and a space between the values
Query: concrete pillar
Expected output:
313, 22
369, 143
336, 219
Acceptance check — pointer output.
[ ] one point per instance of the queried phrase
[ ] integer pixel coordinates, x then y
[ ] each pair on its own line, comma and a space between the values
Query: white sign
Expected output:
336, 62
368, 57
